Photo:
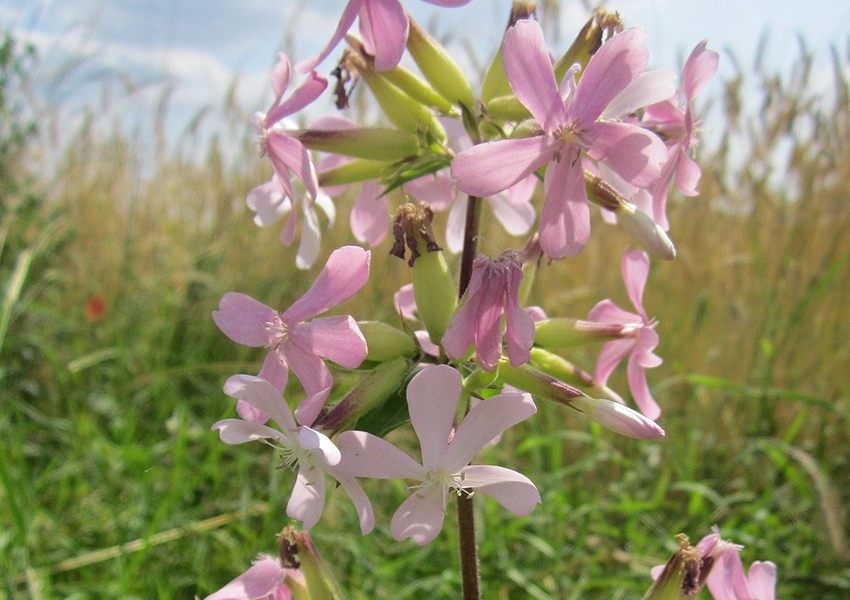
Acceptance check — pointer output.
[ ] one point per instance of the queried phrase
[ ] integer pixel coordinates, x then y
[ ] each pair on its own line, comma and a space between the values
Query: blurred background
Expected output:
125, 158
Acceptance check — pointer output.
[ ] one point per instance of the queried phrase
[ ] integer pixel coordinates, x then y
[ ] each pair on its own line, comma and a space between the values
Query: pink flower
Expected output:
286, 153
635, 268
383, 27
303, 449
265, 580
575, 119
270, 203
294, 342
728, 582
432, 398
493, 292
678, 127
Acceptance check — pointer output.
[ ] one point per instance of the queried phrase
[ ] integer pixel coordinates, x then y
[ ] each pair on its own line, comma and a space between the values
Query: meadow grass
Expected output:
113, 485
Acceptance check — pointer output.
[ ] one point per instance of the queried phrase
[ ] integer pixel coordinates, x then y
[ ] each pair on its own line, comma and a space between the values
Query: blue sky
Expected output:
196, 46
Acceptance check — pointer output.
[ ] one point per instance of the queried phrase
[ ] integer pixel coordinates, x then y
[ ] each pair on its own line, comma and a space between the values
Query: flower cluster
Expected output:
466, 356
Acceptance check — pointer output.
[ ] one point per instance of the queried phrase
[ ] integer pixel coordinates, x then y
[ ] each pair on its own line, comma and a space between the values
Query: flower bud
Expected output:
479, 379
561, 368
354, 171
403, 111
433, 287
371, 391
618, 418
679, 576
297, 549
566, 333
417, 89
438, 67
373, 143
640, 225
385, 342
534, 381
507, 108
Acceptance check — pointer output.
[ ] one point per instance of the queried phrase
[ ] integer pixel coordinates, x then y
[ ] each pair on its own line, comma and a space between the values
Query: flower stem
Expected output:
468, 548
470, 233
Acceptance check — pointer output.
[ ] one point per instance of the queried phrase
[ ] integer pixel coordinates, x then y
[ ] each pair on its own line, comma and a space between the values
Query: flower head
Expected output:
293, 341
635, 268
493, 292
432, 398
310, 453
576, 119
266, 579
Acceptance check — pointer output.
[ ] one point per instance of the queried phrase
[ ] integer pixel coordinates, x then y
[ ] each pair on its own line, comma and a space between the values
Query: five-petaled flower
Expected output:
575, 119
493, 292
311, 452
432, 398
294, 342
635, 269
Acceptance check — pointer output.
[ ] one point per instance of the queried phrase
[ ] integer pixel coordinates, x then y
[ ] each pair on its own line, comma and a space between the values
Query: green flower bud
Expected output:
297, 551
588, 41
507, 108
438, 67
534, 381
566, 333
371, 391
479, 379
373, 143
385, 342
433, 287
417, 89
354, 171
564, 370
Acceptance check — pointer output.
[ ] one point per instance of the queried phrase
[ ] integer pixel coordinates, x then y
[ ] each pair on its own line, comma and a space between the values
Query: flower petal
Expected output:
387, 23
456, 225
529, 71
405, 303
606, 311
310, 439
260, 581
366, 455
269, 202
432, 397
307, 501
421, 516
370, 217
618, 418
519, 328
614, 66
647, 88
263, 396
485, 421
345, 22
488, 318
610, 356
346, 271
286, 152
237, 431
437, 190
275, 370
305, 94
635, 269
243, 319
762, 580
516, 218
632, 152
688, 174
311, 237
487, 169
314, 376
640, 389
699, 68
358, 497
565, 218
512, 490
334, 338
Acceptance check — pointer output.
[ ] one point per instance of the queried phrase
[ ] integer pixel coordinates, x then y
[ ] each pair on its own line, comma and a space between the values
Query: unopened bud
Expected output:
297, 548
371, 391
534, 381
679, 577
438, 67
403, 111
373, 143
564, 370
385, 342
433, 287
507, 108
495, 81
567, 333
417, 89
354, 171
479, 379
588, 41
637, 223
618, 418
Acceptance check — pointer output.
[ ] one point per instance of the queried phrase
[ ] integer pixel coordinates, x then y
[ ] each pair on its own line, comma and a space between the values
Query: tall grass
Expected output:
114, 487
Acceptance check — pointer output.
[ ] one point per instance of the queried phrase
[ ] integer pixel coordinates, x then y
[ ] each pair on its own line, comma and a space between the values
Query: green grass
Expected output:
114, 487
